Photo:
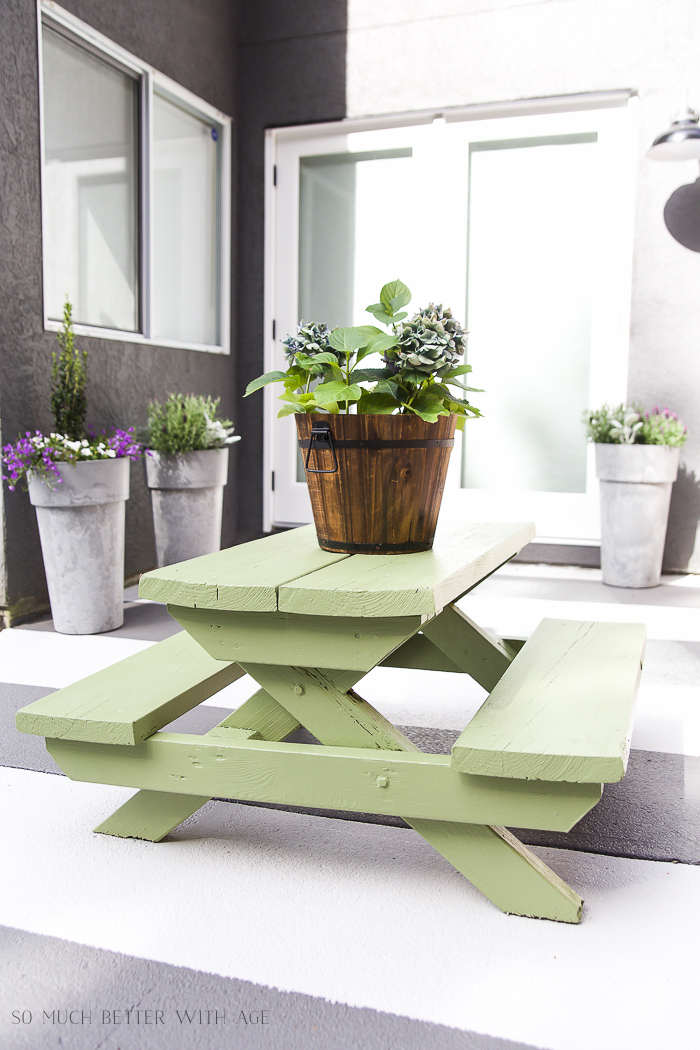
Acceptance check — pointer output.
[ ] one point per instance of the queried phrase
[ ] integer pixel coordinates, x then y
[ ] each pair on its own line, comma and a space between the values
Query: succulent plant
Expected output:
432, 342
310, 339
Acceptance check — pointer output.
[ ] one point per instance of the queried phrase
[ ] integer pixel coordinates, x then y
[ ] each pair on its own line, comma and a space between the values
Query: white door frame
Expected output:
281, 226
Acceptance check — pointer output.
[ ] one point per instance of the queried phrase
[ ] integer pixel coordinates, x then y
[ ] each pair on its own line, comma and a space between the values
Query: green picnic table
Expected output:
307, 625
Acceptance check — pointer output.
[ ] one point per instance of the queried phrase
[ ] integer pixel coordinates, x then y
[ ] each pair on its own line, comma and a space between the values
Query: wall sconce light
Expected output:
681, 141
682, 210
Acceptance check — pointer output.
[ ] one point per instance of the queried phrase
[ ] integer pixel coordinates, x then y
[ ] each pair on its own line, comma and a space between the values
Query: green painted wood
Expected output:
346, 720
473, 650
563, 709
363, 780
245, 577
419, 653
281, 638
130, 700
329, 708
511, 876
407, 584
149, 815
264, 715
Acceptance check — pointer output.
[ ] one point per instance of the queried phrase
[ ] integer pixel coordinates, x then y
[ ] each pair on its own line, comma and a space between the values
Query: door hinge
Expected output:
273, 481
274, 330
274, 174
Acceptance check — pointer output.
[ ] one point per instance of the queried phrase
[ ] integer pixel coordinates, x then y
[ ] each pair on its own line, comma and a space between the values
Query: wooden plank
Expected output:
563, 709
527, 886
245, 577
419, 653
130, 700
363, 780
152, 815
505, 871
283, 638
467, 645
407, 584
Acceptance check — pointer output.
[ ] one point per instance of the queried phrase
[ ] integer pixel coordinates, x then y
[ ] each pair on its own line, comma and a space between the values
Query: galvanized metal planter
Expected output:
635, 494
375, 481
81, 525
187, 494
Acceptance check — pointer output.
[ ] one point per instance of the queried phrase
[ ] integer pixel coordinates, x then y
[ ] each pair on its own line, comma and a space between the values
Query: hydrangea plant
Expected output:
631, 424
420, 373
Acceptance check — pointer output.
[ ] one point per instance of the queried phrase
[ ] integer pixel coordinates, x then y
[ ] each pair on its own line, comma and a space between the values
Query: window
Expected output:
520, 218
135, 195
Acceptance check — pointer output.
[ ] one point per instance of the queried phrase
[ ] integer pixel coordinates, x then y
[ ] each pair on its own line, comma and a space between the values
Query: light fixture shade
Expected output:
680, 142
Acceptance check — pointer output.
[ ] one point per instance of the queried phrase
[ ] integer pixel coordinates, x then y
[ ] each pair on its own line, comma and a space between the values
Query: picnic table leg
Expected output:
493, 860
469, 647
152, 815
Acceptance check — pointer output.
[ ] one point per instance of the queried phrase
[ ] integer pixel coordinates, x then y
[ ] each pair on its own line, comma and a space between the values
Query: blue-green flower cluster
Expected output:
310, 339
432, 342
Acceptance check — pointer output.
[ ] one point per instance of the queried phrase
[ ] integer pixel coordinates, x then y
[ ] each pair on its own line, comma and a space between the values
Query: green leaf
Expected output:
460, 371
348, 339
427, 407
288, 410
372, 403
269, 377
389, 386
395, 295
328, 392
326, 358
381, 342
380, 313
463, 386
369, 375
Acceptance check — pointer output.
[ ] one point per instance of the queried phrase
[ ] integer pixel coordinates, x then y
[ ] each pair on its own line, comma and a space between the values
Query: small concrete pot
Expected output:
81, 526
187, 495
635, 494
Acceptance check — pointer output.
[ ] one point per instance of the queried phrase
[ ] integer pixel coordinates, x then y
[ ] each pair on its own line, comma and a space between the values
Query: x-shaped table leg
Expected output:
491, 858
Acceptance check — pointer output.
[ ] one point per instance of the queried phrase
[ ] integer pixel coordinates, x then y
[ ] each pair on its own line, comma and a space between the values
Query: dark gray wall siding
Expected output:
290, 70
192, 41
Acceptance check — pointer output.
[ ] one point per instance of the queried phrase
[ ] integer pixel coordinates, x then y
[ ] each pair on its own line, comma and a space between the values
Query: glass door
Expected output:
522, 225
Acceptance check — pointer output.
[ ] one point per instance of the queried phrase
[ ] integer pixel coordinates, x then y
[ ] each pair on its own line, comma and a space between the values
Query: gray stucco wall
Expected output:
192, 41
290, 70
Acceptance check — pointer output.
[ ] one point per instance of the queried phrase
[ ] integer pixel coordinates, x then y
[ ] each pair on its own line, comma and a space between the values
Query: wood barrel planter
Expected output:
375, 482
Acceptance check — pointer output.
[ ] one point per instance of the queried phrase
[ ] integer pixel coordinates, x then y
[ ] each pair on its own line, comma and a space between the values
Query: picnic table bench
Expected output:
307, 625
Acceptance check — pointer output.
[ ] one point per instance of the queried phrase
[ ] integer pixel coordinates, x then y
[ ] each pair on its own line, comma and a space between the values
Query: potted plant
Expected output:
376, 441
637, 455
79, 484
186, 470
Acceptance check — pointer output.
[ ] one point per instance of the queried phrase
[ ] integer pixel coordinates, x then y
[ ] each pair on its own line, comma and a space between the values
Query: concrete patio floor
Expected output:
260, 927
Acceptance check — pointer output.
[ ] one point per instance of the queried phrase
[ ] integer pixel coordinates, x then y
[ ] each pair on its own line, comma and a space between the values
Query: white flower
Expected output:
111, 453
85, 452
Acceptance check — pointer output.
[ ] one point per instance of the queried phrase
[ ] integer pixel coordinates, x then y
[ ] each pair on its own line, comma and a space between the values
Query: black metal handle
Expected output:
321, 434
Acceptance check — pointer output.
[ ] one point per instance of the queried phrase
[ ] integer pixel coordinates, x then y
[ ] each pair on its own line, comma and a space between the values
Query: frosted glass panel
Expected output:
90, 187
186, 246
532, 211
350, 206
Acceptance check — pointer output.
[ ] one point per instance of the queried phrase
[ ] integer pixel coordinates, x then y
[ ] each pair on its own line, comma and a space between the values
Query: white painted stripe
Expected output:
361, 914
520, 616
55, 660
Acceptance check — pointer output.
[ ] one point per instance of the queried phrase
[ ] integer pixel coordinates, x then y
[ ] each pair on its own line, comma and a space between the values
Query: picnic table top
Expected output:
288, 572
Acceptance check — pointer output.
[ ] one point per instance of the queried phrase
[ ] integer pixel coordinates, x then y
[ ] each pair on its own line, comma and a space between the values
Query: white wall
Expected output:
405, 55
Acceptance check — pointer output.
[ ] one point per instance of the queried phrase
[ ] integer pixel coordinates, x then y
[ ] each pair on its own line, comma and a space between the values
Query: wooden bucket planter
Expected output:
375, 482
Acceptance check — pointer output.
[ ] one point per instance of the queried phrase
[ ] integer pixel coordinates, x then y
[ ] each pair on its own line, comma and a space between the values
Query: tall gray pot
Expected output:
187, 495
81, 526
635, 494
